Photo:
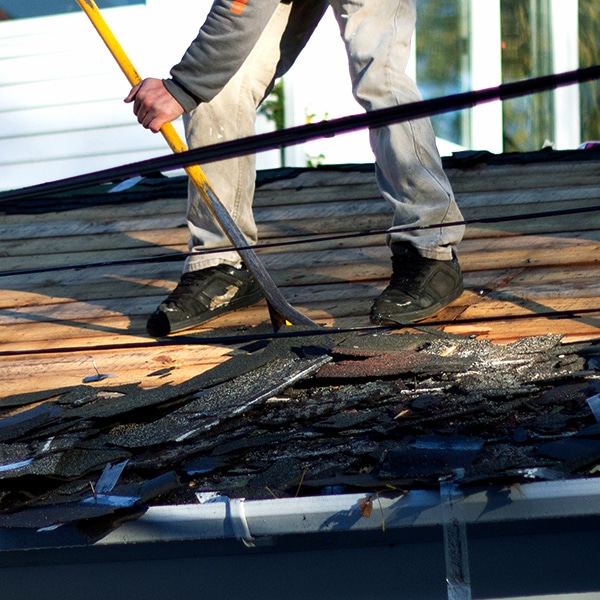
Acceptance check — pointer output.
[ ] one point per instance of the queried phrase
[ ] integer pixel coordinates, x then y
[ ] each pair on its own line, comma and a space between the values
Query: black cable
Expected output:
235, 339
303, 240
303, 133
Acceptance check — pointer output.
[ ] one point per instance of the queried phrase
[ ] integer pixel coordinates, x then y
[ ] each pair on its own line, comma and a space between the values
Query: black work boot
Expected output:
419, 287
203, 295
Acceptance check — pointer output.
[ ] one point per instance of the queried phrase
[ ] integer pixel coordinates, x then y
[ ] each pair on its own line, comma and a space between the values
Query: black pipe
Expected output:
310, 239
303, 133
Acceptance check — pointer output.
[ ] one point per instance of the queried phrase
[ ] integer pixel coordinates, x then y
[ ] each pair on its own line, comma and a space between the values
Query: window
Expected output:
589, 55
442, 60
527, 52
24, 9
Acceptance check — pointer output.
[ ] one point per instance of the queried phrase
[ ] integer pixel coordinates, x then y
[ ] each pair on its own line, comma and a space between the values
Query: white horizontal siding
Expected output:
85, 143
82, 116
29, 173
61, 92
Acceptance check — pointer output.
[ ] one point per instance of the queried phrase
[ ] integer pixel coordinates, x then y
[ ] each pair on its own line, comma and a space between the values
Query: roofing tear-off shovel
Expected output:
281, 312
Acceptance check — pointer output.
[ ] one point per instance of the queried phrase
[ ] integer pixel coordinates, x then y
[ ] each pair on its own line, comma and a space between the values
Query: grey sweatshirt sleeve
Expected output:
225, 40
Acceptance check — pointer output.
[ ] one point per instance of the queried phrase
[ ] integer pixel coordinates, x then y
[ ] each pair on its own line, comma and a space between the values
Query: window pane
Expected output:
589, 55
441, 60
527, 52
23, 9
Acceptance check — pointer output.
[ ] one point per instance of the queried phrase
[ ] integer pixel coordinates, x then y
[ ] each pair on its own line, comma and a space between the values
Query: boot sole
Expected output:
418, 315
243, 302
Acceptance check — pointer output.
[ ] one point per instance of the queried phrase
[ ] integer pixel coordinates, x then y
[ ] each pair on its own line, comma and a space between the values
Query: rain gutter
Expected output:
538, 539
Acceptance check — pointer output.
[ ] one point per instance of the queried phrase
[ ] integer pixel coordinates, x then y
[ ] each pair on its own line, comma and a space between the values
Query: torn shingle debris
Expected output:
367, 412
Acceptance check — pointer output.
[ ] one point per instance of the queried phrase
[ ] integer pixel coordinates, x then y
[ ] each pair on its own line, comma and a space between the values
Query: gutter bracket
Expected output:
239, 523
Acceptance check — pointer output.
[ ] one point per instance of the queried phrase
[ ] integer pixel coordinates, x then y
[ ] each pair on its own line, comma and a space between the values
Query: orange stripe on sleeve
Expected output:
238, 6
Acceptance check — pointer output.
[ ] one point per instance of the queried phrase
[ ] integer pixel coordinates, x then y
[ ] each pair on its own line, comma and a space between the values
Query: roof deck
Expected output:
473, 436
88, 277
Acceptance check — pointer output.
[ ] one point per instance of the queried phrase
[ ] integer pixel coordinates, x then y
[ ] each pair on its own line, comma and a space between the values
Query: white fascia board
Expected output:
218, 519
535, 539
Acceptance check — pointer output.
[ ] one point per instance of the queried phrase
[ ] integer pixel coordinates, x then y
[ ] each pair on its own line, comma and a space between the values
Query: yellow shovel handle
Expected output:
171, 136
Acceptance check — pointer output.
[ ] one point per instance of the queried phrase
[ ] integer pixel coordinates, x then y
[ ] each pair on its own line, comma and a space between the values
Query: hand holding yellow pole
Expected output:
168, 131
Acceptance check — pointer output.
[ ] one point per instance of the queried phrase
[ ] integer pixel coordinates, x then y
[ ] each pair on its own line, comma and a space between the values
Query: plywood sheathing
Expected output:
90, 320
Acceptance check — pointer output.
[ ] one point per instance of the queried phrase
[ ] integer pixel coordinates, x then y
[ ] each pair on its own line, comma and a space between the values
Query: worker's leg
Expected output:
217, 282
231, 115
378, 34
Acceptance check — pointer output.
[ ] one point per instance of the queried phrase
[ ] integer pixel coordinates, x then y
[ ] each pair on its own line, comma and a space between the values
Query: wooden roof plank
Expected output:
513, 269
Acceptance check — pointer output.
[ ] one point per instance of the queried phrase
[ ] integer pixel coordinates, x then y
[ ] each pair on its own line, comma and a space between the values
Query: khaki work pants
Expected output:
377, 35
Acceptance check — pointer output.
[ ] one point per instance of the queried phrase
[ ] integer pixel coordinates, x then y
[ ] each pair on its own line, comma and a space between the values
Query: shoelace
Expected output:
186, 284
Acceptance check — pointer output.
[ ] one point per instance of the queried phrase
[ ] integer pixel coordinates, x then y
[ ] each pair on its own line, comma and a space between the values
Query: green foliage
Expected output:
273, 107
589, 55
527, 52
313, 161
441, 56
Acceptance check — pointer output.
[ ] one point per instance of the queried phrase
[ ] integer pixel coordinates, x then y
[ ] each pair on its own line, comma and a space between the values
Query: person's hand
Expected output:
153, 105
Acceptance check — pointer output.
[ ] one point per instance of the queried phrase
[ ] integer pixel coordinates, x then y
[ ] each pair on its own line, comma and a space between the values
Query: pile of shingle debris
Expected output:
305, 415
